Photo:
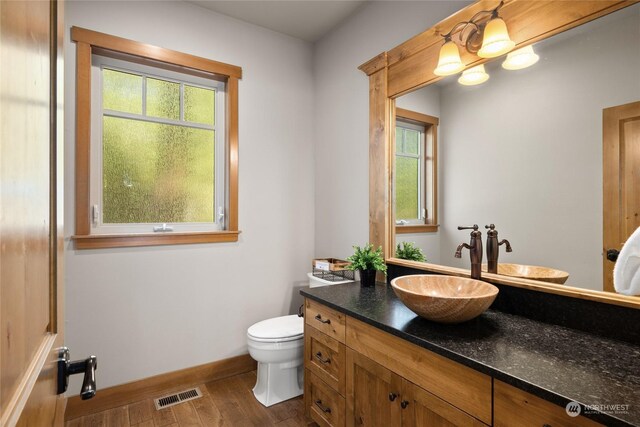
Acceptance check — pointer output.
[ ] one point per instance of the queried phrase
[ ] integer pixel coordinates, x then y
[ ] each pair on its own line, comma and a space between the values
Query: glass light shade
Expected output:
474, 76
495, 40
449, 61
521, 58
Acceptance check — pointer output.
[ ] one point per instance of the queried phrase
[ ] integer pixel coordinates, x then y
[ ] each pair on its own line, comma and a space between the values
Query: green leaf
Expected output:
367, 259
410, 251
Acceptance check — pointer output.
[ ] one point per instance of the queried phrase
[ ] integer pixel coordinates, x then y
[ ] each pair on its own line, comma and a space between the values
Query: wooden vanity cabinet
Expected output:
359, 375
378, 397
325, 364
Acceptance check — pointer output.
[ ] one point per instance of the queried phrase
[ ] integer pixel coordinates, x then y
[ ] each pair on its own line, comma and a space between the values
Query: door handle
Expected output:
319, 319
66, 368
323, 361
612, 254
323, 408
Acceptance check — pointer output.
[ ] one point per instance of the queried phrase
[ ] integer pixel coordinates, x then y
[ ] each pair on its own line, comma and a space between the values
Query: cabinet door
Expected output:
517, 408
421, 408
373, 393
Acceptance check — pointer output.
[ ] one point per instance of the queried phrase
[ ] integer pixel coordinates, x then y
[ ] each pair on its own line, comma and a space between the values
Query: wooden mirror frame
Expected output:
409, 66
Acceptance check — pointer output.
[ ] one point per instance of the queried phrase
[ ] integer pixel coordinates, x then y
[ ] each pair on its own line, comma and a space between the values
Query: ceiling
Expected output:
305, 19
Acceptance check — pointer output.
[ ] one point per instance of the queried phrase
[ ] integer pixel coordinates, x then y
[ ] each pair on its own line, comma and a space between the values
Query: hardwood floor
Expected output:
226, 403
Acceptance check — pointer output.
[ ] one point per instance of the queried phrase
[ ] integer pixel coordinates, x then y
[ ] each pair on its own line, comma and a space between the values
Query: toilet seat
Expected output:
277, 329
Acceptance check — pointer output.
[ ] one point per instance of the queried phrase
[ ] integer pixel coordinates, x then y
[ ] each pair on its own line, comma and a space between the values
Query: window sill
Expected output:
425, 228
97, 241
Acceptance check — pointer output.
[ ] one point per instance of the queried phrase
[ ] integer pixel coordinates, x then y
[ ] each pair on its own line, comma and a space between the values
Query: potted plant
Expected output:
409, 251
367, 261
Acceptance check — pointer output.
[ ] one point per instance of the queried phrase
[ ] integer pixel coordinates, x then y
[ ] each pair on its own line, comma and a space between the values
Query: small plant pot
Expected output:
367, 278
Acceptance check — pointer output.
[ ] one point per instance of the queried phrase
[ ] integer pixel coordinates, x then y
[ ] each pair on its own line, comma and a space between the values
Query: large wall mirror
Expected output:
528, 151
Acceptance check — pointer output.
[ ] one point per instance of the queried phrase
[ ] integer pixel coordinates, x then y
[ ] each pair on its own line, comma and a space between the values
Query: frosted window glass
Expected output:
407, 176
163, 99
156, 173
121, 91
399, 140
411, 139
199, 105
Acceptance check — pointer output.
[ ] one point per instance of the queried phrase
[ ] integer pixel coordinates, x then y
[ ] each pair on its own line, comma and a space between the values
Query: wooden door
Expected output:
373, 393
621, 180
30, 212
421, 408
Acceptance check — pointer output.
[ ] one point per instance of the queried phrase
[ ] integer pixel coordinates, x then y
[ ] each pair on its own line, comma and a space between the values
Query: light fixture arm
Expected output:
473, 22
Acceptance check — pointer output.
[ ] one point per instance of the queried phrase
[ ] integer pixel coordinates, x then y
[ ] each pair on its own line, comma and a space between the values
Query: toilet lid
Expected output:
285, 328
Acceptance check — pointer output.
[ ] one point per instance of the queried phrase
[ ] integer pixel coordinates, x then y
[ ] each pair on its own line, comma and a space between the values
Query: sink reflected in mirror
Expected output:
444, 299
532, 272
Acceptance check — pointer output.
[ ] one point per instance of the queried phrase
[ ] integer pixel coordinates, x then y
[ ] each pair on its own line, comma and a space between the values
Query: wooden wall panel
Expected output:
379, 164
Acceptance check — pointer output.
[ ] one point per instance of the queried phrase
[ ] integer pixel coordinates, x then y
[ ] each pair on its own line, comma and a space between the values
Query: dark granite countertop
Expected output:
556, 363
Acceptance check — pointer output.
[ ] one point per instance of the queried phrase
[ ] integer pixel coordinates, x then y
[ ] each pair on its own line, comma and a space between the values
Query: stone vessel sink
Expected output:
444, 299
532, 272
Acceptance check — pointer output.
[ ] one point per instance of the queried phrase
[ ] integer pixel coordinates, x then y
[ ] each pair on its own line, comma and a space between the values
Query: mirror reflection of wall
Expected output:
524, 149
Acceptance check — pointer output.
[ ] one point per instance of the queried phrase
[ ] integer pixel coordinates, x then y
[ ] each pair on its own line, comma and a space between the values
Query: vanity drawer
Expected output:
516, 408
324, 405
325, 357
325, 319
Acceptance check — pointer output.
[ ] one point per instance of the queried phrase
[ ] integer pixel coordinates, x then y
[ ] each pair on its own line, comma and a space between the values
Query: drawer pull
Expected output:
392, 396
323, 361
324, 409
319, 319
404, 404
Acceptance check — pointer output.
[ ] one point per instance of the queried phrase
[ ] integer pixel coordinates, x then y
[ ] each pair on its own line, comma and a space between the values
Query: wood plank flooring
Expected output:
225, 403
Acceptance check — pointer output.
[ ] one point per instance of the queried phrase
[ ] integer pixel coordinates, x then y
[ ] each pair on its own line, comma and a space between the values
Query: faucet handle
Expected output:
471, 227
490, 227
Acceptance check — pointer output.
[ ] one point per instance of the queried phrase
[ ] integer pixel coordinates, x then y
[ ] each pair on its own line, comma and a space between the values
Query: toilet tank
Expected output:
316, 281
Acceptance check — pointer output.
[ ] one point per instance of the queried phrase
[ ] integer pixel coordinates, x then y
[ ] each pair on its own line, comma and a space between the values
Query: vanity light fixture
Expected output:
485, 34
496, 40
520, 58
473, 76
449, 61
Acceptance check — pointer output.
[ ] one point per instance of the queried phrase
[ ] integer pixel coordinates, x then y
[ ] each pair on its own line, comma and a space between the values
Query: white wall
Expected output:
524, 150
342, 114
145, 311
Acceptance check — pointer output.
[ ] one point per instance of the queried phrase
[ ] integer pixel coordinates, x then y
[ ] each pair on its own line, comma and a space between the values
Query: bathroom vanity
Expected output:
370, 361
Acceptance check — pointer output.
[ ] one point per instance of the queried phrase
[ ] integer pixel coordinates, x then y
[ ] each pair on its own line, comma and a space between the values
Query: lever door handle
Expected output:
89, 383
66, 368
612, 254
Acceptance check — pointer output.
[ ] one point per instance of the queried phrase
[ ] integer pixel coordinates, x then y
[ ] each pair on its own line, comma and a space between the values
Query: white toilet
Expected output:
277, 345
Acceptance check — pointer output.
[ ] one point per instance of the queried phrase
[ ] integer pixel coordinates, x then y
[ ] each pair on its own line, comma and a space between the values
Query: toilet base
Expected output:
278, 382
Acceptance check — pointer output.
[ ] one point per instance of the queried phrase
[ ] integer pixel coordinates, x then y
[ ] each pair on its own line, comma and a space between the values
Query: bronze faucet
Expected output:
493, 248
475, 250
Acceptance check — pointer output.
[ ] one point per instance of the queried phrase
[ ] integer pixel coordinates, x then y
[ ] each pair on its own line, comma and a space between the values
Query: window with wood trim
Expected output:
156, 145
415, 172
